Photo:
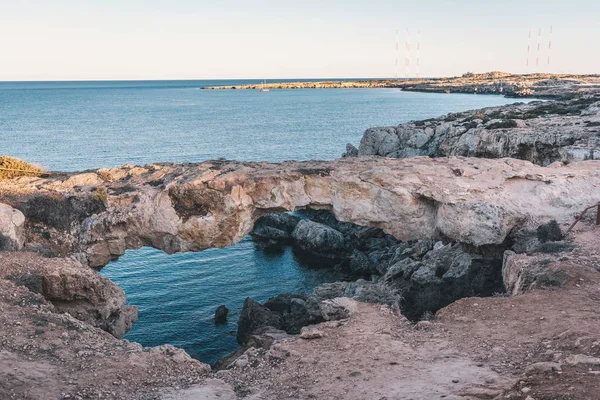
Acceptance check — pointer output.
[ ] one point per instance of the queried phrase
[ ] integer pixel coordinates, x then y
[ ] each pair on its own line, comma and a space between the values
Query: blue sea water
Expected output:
72, 126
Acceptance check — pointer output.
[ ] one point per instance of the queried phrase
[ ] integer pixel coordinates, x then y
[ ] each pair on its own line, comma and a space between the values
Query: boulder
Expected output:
319, 240
276, 227
12, 228
254, 316
338, 308
372, 292
292, 309
351, 151
323, 292
309, 333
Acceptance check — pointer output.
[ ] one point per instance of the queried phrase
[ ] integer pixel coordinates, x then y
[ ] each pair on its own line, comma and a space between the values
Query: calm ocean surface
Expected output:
72, 126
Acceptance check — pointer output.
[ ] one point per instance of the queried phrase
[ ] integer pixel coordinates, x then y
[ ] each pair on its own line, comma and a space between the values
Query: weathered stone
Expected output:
542, 368
78, 290
351, 151
12, 228
579, 359
319, 239
516, 131
254, 316
278, 227
311, 333
338, 308
214, 204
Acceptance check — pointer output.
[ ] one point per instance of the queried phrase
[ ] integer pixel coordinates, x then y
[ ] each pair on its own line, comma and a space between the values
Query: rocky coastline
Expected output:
449, 236
540, 132
551, 86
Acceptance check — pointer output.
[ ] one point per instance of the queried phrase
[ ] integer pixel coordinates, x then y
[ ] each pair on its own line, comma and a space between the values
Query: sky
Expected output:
264, 39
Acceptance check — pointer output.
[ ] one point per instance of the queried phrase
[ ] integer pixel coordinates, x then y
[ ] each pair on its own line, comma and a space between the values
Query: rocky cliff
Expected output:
540, 132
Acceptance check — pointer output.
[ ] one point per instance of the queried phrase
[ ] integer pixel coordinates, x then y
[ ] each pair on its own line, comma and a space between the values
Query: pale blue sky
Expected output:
181, 39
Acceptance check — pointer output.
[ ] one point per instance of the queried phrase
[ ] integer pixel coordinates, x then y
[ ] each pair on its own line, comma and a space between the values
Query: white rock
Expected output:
12, 223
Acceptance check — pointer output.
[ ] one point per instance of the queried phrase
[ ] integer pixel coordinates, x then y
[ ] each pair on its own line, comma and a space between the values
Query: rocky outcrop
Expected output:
73, 288
540, 132
443, 275
214, 204
255, 316
291, 312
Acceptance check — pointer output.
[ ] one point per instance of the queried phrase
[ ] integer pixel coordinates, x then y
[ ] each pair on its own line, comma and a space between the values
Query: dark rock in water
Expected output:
277, 227
319, 240
421, 275
254, 316
221, 315
281, 303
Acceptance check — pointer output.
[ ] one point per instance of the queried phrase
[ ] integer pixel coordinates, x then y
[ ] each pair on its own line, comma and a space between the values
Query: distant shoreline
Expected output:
499, 83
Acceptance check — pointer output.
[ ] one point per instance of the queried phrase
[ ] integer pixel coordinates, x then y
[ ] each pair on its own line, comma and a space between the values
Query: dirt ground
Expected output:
543, 344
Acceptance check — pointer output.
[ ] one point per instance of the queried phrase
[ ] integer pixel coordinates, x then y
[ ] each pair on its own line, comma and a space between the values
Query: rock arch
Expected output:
191, 207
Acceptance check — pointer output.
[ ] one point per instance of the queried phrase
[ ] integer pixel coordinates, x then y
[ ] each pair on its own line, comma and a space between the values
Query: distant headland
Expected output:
540, 85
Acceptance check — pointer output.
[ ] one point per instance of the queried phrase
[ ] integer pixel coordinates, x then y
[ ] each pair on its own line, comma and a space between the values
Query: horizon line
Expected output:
271, 79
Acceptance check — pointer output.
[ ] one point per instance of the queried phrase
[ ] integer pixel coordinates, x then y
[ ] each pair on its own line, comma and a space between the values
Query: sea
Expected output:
75, 126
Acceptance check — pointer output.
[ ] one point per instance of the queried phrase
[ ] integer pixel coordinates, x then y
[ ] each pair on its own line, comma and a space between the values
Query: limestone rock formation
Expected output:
540, 132
214, 204
73, 288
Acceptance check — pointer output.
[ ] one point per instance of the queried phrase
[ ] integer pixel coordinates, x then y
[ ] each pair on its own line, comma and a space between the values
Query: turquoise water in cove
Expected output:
72, 126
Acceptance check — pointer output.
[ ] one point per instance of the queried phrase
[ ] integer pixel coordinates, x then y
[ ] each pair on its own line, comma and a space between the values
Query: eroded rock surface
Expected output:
71, 287
214, 204
540, 132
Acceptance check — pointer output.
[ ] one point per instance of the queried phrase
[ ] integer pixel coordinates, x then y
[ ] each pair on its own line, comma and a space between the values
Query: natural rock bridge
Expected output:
190, 207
